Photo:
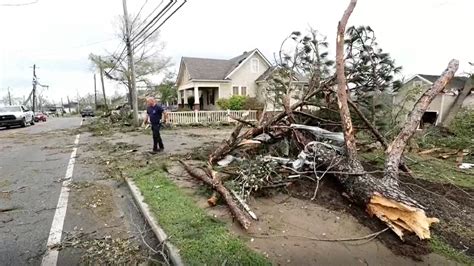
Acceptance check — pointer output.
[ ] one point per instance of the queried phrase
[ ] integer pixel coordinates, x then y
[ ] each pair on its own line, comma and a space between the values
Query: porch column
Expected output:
179, 99
196, 98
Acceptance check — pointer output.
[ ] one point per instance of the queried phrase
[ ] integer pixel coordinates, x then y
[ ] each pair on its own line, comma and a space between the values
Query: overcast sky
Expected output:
58, 35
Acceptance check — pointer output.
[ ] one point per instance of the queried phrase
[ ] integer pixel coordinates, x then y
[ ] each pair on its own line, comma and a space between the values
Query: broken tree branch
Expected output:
341, 87
395, 149
217, 185
376, 133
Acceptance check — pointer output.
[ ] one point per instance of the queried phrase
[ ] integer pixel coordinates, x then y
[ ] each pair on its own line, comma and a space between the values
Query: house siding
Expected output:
244, 76
184, 81
441, 103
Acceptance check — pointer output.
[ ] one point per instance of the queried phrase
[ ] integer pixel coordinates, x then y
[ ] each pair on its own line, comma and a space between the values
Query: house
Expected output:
71, 107
202, 81
411, 90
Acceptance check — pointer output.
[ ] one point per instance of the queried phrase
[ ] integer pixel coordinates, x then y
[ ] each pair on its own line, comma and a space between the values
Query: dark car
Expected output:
87, 111
40, 117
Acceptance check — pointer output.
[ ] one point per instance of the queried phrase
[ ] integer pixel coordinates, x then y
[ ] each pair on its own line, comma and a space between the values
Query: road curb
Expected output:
171, 250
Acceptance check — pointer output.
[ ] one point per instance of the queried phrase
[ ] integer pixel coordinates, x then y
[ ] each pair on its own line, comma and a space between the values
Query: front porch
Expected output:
199, 97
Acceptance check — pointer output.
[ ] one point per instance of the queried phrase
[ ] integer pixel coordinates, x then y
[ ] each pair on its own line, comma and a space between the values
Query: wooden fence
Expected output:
209, 117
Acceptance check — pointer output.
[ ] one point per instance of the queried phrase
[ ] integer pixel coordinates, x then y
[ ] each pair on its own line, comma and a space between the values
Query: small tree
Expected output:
167, 90
148, 57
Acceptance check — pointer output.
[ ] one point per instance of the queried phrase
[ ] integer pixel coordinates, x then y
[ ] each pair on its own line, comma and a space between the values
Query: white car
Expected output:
17, 115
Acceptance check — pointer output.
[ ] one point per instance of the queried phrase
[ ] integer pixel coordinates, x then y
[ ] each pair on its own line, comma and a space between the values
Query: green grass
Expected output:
429, 168
200, 238
442, 248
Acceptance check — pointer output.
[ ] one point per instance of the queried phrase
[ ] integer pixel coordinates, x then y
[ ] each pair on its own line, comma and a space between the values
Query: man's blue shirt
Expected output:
155, 112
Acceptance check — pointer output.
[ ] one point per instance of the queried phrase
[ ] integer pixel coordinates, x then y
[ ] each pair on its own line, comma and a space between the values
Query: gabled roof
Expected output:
215, 69
268, 73
456, 82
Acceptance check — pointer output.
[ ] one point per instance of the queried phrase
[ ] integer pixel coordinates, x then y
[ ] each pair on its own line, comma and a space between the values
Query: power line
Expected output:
149, 15
22, 4
139, 12
159, 26
153, 21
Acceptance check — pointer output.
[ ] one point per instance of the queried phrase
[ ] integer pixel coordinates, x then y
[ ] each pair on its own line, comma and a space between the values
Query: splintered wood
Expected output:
401, 217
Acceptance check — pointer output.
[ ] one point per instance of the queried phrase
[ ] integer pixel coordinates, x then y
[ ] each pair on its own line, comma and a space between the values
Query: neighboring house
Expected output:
205, 80
409, 93
71, 107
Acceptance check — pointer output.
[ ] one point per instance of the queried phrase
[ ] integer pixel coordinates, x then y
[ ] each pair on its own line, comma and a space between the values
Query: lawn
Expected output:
201, 239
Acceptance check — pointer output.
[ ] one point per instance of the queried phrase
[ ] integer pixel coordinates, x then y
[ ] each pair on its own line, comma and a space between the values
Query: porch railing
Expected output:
209, 117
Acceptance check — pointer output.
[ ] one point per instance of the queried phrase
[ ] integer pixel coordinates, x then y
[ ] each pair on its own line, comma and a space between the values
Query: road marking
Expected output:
51, 256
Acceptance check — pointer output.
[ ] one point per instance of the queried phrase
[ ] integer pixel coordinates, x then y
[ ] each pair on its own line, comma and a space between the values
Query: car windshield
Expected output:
10, 109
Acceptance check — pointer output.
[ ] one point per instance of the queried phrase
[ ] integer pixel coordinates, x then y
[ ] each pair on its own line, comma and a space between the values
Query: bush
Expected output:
223, 104
236, 102
253, 104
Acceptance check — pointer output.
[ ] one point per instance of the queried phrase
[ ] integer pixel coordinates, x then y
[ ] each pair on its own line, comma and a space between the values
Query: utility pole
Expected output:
34, 88
95, 92
102, 82
9, 97
69, 104
130, 64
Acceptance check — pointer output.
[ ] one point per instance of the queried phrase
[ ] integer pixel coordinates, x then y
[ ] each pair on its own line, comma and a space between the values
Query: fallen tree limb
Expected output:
226, 145
395, 149
244, 205
380, 197
217, 185
376, 133
344, 112
243, 121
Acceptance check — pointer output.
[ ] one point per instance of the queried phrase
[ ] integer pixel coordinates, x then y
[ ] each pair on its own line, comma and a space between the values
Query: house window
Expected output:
254, 65
243, 91
235, 90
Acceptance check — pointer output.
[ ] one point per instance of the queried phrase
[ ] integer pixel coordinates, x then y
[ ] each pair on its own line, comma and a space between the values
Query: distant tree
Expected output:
167, 90
148, 57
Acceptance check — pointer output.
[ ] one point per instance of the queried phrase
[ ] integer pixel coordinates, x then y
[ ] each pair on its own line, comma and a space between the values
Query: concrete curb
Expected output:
172, 251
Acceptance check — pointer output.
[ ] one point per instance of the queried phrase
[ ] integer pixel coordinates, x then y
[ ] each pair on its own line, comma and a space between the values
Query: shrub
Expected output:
223, 104
253, 104
236, 102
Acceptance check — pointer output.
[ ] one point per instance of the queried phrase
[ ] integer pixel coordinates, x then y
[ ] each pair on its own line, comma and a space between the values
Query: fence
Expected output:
209, 117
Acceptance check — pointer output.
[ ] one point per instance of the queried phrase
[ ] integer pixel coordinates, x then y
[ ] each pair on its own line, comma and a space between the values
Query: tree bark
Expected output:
395, 149
216, 184
341, 87
379, 197
376, 133
454, 109
226, 145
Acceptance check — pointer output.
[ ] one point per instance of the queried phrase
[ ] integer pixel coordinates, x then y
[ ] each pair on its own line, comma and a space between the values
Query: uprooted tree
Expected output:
312, 152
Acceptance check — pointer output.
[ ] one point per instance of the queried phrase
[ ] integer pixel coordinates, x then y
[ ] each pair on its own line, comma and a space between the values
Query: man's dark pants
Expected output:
156, 137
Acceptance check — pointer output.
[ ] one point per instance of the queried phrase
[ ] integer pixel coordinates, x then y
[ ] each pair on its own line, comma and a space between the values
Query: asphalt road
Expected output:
33, 166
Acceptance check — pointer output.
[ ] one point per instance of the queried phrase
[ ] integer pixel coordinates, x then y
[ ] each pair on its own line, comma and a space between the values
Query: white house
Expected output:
206, 80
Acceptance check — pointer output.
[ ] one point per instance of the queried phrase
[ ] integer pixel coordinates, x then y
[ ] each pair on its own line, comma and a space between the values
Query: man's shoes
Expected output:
155, 151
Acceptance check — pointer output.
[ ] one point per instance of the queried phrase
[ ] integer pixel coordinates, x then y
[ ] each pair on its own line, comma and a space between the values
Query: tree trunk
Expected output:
379, 197
395, 149
454, 109
341, 88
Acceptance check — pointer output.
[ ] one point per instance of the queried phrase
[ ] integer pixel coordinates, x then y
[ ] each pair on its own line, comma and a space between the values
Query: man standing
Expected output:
154, 113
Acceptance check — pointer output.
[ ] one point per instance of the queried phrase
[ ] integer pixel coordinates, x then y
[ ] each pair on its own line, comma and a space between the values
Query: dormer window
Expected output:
254, 63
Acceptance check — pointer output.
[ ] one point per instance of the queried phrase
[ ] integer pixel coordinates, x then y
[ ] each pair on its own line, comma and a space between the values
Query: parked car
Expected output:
39, 116
18, 115
87, 111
